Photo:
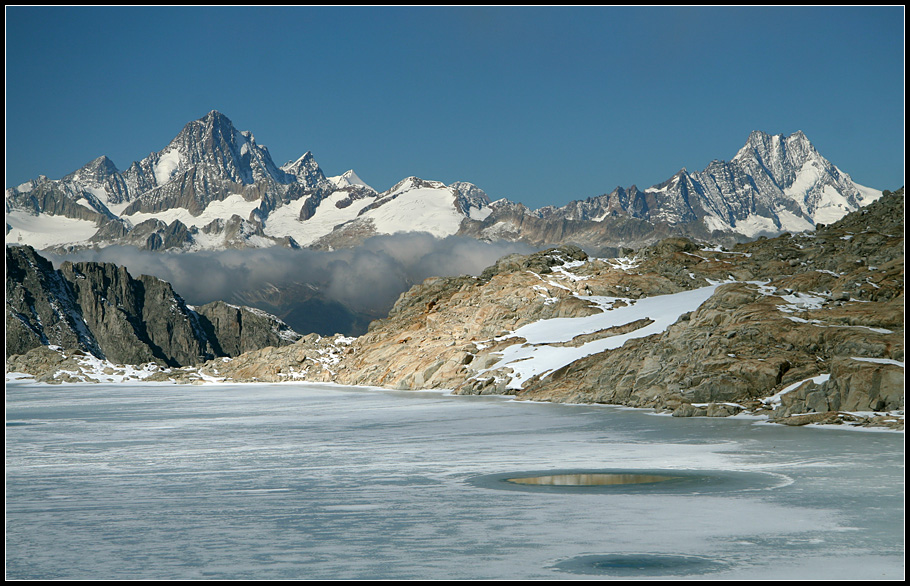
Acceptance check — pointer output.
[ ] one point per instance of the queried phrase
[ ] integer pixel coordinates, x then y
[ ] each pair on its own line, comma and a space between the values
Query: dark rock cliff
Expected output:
234, 330
98, 308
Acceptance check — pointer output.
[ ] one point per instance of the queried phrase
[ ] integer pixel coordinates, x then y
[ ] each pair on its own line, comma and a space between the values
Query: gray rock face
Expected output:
135, 320
41, 306
100, 309
235, 330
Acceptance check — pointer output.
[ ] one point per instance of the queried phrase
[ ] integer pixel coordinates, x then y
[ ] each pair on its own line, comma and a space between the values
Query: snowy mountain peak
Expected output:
216, 119
471, 200
348, 179
762, 146
215, 148
409, 183
305, 170
777, 183
306, 158
96, 170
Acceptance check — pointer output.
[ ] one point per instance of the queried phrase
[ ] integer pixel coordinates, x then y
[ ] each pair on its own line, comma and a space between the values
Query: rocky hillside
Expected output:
100, 309
803, 328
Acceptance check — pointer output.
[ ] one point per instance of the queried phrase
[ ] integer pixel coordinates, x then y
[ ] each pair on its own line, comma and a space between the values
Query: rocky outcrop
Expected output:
100, 309
135, 320
41, 306
825, 302
234, 330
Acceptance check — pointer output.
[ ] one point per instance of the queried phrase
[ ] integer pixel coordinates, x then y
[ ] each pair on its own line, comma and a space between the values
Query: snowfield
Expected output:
539, 355
45, 231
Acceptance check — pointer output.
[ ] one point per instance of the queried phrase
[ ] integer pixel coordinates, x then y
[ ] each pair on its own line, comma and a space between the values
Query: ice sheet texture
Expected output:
317, 482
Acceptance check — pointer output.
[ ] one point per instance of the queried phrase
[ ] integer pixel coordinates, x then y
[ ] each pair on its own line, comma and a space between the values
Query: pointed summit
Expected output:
218, 123
214, 146
97, 170
305, 170
349, 179
215, 115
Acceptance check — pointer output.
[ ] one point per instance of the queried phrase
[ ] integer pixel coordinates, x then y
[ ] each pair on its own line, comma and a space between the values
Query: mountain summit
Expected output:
214, 186
774, 184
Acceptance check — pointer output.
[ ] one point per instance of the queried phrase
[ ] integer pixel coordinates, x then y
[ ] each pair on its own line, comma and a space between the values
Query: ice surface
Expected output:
294, 481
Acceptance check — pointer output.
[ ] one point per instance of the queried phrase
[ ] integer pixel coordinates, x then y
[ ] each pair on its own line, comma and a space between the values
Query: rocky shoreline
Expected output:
49, 365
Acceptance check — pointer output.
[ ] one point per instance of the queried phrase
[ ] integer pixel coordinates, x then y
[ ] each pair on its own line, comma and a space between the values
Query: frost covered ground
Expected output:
304, 481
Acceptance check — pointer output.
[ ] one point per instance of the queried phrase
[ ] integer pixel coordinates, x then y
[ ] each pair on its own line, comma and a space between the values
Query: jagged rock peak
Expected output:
97, 169
470, 197
214, 122
214, 143
763, 146
470, 191
305, 169
304, 159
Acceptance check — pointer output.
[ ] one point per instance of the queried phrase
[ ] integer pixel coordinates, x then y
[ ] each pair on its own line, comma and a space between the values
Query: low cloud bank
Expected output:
365, 279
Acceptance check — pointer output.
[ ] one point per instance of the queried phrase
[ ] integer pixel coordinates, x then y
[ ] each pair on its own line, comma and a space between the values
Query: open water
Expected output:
157, 481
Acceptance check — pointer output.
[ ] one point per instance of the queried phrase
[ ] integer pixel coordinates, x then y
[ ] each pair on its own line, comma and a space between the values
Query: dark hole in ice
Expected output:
639, 564
591, 479
615, 481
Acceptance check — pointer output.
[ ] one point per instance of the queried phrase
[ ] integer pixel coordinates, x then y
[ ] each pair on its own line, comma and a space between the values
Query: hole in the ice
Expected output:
620, 481
591, 479
639, 564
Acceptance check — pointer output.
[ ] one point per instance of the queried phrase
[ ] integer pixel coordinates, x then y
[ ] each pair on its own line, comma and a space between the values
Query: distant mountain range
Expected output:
215, 187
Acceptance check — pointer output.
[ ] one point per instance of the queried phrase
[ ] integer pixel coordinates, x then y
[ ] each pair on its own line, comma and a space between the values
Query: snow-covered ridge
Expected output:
774, 184
214, 171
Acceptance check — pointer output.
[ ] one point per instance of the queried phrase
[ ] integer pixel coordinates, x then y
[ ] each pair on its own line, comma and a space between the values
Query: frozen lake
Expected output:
143, 481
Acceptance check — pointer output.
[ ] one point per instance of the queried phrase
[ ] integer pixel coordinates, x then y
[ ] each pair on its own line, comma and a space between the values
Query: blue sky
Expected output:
538, 105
